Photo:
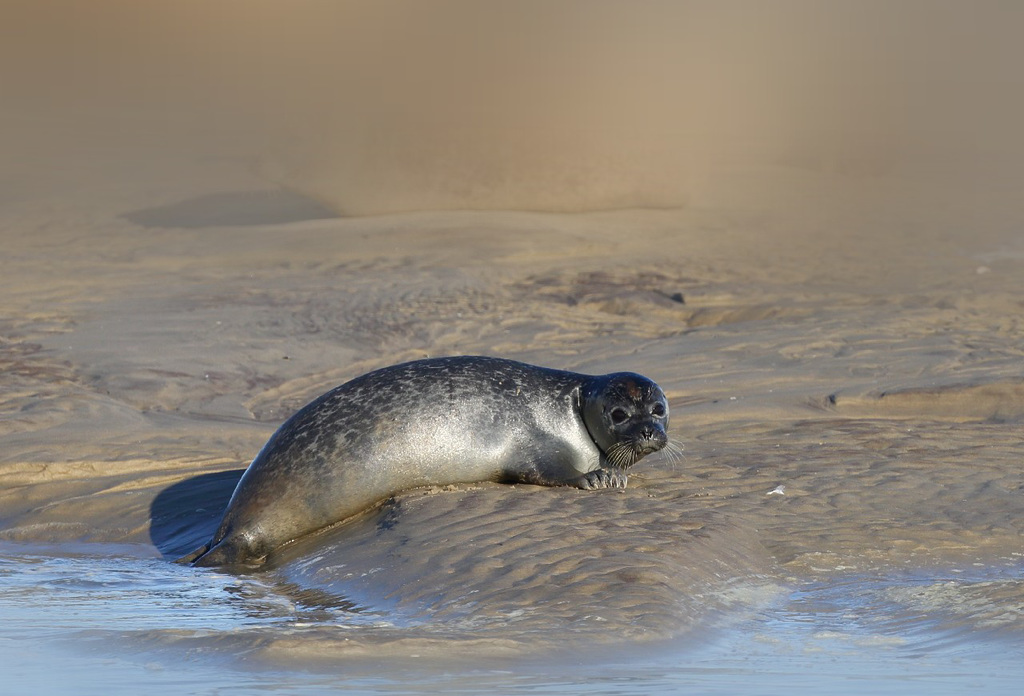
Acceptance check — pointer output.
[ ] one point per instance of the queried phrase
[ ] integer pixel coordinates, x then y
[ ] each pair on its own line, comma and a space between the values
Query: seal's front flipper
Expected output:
602, 478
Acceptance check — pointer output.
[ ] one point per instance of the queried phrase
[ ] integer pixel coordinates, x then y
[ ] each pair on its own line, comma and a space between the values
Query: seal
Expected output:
435, 422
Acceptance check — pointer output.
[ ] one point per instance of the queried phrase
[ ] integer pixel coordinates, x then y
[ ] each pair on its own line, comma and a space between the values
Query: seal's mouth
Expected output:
625, 453
649, 446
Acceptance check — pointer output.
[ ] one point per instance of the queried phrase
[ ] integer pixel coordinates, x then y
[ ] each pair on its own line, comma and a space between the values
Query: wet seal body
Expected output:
435, 422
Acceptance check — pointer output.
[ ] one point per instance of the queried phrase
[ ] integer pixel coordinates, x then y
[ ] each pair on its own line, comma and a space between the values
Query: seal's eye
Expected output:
619, 416
658, 411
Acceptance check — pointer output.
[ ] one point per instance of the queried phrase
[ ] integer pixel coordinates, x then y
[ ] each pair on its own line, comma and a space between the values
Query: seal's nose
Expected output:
651, 439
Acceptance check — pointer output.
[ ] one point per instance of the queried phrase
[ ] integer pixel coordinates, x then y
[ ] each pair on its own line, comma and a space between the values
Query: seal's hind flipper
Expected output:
190, 558
230, 553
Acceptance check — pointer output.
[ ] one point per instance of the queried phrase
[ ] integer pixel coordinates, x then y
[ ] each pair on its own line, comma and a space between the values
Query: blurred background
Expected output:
383, 106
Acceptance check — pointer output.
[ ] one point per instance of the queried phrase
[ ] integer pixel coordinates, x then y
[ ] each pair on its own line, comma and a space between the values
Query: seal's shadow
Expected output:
184, 515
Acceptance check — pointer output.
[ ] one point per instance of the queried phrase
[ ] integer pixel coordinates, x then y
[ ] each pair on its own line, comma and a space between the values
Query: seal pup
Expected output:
435, 422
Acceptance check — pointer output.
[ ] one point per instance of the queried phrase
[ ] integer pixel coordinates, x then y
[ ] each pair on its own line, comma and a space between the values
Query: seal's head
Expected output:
627, 415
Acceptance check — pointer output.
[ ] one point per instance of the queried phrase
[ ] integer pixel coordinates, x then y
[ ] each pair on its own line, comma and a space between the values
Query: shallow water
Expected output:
116, 623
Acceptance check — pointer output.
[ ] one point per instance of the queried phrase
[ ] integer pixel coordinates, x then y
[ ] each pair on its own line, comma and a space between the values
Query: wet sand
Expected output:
847, 403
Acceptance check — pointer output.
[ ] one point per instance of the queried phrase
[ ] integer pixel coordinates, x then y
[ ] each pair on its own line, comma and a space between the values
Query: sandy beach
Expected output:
837, 324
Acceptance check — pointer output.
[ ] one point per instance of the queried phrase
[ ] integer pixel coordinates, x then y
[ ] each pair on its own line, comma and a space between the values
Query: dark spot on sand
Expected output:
233, 209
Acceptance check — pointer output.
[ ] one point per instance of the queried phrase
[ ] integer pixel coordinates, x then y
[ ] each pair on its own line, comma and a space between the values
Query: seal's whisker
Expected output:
623, 455
619, 454
675, 448
674, 452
